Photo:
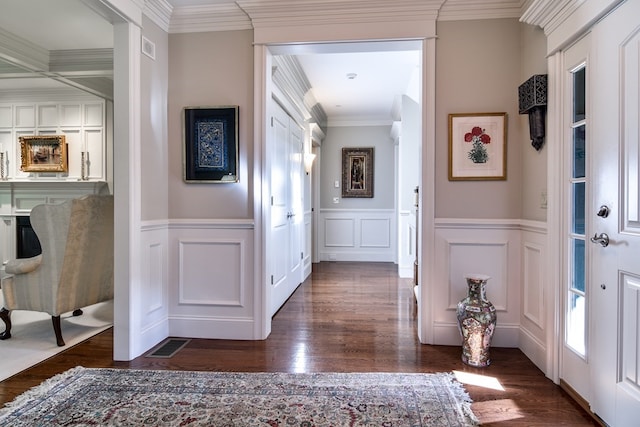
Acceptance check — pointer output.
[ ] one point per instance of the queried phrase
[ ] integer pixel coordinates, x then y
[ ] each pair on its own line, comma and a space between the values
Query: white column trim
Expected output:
426, 215
555, 159
127, 183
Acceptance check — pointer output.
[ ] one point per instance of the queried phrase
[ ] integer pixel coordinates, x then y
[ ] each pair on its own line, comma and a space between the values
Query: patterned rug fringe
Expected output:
109, 396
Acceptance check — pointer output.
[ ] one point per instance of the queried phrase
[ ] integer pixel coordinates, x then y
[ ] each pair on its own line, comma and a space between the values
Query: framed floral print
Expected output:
477, 146
210, 152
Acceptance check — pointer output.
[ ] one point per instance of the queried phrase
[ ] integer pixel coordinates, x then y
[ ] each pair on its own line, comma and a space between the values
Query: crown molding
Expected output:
565, 20
549, 14
289, 77
22, 53
279, 13
215, 17
159, 11
461, 10
84, 61
249, 14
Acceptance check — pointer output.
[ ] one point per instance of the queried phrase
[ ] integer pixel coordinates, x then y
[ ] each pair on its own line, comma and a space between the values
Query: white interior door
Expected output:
615, 272
286, 207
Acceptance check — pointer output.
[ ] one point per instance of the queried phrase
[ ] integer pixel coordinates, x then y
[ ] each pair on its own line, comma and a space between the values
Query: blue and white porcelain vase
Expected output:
476, 322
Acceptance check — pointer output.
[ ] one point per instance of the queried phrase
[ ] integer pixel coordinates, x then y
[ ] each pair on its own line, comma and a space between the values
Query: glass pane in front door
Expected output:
576, 325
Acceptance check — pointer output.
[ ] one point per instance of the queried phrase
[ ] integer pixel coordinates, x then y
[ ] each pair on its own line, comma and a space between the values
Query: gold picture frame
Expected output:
477, 147
43, 153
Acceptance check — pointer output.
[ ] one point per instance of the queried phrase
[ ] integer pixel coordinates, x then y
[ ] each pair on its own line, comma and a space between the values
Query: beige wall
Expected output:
211, 69
478, 70
153, 117
534, 163
480, 65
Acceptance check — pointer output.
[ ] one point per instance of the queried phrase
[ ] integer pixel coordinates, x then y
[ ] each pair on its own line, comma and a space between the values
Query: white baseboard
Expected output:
212, 328
357, 256
534, 349
152, 335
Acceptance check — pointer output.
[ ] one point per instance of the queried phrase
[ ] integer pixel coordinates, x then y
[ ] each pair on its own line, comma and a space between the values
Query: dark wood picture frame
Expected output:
357, 172
210, 152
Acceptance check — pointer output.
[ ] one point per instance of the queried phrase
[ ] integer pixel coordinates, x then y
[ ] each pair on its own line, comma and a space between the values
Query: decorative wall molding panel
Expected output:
513, 253
357, 235
211, 283
154, 307
537, 294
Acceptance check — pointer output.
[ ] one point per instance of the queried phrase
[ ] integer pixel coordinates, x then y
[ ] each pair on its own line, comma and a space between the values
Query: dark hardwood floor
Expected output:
348, 317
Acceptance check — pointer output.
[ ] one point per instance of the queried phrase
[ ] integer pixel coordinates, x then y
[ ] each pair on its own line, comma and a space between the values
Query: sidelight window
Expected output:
576, 325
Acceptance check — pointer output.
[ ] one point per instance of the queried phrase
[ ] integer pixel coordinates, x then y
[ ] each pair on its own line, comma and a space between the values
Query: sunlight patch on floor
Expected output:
497, 411
300, 358
479, 380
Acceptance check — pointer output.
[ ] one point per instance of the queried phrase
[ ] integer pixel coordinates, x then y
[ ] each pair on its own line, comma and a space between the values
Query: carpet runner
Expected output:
122, 397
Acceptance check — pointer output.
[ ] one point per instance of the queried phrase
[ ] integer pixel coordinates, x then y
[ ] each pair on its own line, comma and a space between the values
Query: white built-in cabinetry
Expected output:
84, 123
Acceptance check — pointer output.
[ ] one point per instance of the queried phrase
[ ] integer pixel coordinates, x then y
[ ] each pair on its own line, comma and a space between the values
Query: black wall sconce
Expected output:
532, 100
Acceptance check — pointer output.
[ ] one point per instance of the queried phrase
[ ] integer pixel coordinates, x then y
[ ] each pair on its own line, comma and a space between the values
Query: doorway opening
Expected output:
378, 229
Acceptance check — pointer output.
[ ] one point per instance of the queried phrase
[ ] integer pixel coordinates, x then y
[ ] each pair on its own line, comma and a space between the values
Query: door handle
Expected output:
290, 215
603, 239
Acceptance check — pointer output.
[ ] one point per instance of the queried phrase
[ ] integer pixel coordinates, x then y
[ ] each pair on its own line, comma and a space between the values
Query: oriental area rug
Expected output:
123, 397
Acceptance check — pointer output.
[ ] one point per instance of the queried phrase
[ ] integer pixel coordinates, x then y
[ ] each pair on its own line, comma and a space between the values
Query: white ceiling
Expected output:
383, 71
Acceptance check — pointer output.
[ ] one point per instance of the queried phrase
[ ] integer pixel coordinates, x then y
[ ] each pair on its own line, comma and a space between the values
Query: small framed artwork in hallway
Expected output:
357, 172
477, 146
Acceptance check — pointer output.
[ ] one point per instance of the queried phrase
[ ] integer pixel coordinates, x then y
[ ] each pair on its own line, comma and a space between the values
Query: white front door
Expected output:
285, 245
575, 350
615, 165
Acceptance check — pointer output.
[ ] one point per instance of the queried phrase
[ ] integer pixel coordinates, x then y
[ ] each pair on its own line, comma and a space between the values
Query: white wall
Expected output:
377, 137
357, 229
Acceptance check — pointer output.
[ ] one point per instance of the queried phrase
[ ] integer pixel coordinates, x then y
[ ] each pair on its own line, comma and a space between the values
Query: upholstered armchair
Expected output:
75, 268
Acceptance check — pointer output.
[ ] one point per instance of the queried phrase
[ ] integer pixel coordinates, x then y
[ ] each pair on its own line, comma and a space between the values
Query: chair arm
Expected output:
23, 265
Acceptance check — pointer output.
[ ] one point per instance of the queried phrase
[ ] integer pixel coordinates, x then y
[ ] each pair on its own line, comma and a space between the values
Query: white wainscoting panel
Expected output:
468, 246
532, 284
357, 235
157, 274
339, 232
537, 295
473, 257
202, 281
211, 292
375, 233
154, 305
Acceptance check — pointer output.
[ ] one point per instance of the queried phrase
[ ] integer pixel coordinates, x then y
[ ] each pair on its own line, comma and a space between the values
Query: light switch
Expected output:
336, 184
